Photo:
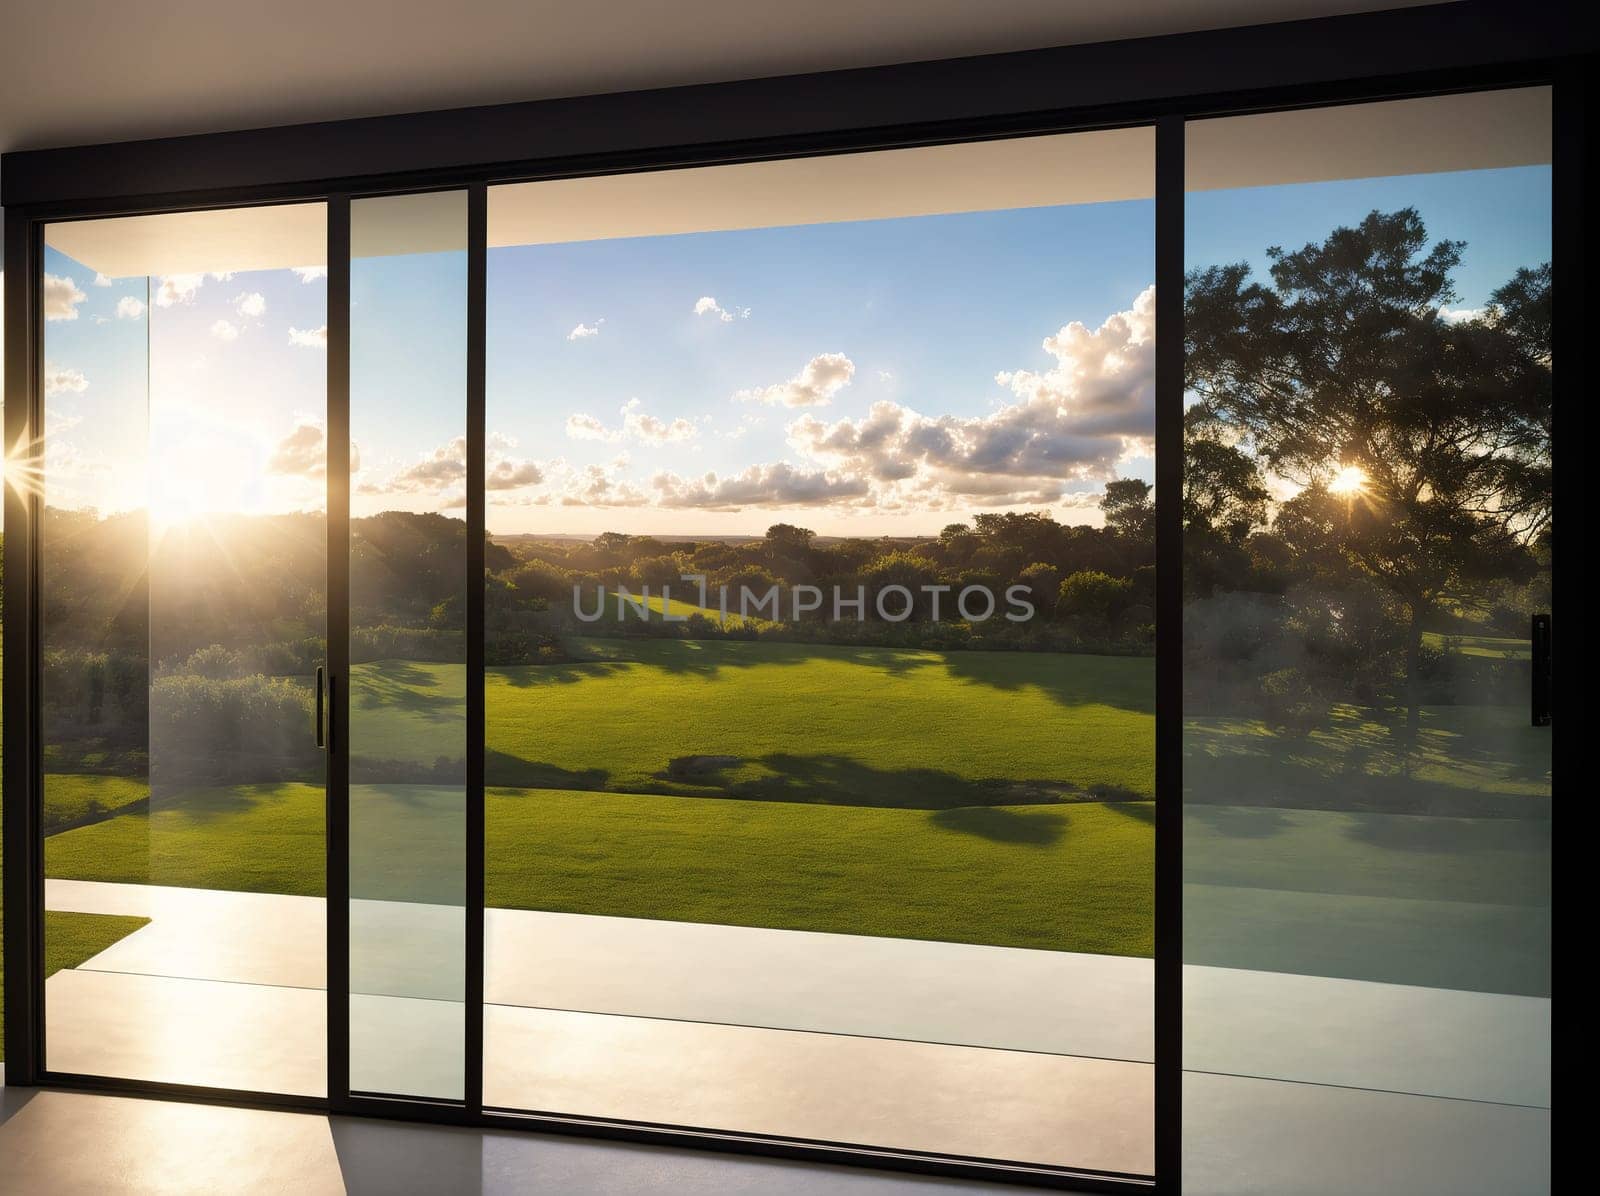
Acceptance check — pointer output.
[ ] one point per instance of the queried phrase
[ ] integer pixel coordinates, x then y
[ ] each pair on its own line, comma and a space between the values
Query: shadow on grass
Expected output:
846, 781
1044, 828
513, 772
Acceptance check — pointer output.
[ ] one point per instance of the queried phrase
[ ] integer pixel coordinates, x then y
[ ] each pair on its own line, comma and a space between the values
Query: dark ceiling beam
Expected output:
1114, 81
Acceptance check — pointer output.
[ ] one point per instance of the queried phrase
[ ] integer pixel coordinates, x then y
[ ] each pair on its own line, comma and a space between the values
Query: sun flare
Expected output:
1349, 481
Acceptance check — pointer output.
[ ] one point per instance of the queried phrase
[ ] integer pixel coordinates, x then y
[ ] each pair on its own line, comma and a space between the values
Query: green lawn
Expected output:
1491, 647
1483, 761
1066, 877
786, 722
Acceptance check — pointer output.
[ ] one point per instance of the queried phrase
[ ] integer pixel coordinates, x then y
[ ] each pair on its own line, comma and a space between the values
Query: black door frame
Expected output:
1160, 82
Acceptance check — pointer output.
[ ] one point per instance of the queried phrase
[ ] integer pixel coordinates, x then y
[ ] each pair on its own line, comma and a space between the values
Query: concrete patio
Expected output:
1041, 1056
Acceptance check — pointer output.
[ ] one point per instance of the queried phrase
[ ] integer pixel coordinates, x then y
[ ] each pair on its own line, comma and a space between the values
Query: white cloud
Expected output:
310, 273
303, 451
225, 331
60, 380
584, 331
1070, 424
776, 485
814, 386
508, 474
651, 430
707, 306
250, 306
178, 288
635, 423
443, 472
309, 338
1460, 315
100, 280
597, 486
129, 308
587, 427
61, 298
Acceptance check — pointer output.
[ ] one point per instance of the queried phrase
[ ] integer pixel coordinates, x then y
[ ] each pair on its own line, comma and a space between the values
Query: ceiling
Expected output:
1470, 131
77, 72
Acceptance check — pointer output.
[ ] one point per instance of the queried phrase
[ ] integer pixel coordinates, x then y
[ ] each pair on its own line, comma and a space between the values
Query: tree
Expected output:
1093, 597
1128, 508
787, 540
1421, 445
1224, 494
1044, 584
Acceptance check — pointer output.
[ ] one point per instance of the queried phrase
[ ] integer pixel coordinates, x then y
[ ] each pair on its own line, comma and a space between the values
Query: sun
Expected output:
177, 498
1350, 480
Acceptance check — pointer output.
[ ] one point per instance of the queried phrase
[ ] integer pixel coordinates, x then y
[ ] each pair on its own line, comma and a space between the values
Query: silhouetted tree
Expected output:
1422, 446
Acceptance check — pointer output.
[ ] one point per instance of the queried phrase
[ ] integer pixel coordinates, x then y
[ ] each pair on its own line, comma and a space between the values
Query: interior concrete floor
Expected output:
55, 1143
1243, 1137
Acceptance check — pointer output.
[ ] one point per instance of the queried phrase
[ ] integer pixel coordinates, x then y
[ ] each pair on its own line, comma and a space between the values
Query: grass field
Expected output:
902, 793
1479, 761
1066, 877
1491, 647
787, 722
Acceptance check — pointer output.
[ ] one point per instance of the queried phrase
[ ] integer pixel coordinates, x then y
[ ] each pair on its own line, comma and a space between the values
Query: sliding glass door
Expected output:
407, 739
819, 641
1368, 522
183, 613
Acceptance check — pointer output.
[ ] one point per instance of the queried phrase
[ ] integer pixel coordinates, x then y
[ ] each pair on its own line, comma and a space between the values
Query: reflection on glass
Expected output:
820, 687
183, 617
1368, 521
408, 562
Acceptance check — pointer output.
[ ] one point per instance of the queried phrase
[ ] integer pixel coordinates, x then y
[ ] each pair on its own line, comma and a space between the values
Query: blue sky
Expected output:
886, 376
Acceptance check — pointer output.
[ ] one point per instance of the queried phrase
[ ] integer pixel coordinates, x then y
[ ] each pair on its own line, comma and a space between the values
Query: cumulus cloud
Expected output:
178, 288
60, 380
309, 338
599, 486
584, 331
636, 424
61, 297
100, 280
814, 386
442, 472
310, 273
1460, 315
587, 427
1068, 424
129, 308
651, 430
708, 306
774, 485
224, 331
250, 306
303, 451
508, 474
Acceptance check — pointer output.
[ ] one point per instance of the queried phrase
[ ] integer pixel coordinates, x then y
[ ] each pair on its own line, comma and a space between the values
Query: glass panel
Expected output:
1367, 539
408, 562
184, 568
820, 685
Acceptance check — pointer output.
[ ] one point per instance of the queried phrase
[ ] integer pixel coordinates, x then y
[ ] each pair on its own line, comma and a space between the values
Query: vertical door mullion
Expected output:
477, 262
338, 652
24, 787
1169, 656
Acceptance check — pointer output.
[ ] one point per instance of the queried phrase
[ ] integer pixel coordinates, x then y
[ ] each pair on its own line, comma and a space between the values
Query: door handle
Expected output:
320, 739
1541, 670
